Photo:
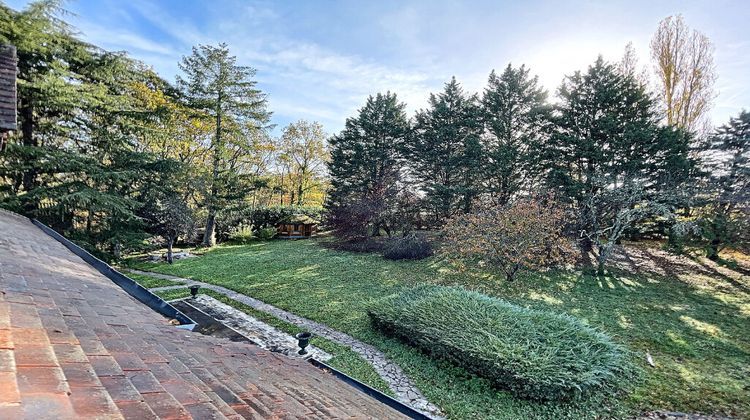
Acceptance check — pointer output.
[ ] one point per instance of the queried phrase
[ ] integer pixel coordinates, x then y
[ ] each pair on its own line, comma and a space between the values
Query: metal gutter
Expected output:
134, 289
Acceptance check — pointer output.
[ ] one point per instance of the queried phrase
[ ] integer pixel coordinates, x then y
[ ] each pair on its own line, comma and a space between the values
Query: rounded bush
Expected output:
266, 234
534, 354
410, 247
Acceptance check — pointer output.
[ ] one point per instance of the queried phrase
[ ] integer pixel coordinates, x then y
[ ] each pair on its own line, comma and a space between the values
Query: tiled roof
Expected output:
74, 345
7, 87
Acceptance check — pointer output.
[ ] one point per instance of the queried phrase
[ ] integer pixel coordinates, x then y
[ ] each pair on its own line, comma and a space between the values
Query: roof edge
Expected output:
372, 392
134, 289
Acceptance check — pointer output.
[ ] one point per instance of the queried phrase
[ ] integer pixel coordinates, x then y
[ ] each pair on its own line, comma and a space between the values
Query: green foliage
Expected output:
367, 161
444, 151
242, 234
73, 163
610, 159
259, 217
725, 216
266, 234
535, 354
226, 92
516, 116
409, 247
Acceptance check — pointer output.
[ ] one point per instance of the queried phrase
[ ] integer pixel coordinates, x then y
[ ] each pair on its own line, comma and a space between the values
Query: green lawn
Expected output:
695, 326
150, 282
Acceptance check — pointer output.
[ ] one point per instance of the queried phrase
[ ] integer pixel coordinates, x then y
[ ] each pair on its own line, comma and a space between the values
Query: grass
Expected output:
694, 325
150, 282
344, 358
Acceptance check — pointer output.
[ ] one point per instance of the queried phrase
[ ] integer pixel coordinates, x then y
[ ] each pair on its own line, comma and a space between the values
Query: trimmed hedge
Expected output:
532, 353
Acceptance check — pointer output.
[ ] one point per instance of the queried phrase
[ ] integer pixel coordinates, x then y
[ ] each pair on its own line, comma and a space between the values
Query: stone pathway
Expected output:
262, 334
400, 384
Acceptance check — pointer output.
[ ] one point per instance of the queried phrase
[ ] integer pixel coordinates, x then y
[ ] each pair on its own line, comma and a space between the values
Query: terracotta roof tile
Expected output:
75, 345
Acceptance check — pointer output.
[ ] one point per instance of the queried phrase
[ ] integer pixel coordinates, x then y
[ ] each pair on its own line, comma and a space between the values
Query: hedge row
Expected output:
534, 354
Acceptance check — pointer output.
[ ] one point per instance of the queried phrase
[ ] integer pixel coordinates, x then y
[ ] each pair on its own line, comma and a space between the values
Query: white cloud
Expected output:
410, 49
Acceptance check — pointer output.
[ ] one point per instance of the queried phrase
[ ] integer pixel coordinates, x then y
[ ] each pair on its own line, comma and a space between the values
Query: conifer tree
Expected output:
608, 155
725, 217
444, 150
367, 161
74, 164
516, 116
215, 84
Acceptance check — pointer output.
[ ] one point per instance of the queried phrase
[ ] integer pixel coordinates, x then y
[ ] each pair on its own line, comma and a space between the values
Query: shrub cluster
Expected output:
242, 234
409, 247
259, 217
266, 234
532, 353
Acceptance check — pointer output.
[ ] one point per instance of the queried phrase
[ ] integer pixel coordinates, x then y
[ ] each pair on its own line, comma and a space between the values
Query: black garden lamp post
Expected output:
303, 339
194, 290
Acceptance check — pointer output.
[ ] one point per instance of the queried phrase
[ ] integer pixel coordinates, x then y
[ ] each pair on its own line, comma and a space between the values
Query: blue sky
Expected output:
318, 60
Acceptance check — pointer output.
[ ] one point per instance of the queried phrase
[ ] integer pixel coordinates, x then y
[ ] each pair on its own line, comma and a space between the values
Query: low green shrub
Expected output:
532, 353
242, 234
266, 234
409, 247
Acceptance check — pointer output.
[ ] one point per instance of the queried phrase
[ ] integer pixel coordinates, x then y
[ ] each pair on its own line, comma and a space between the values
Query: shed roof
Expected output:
300, 219
75, 345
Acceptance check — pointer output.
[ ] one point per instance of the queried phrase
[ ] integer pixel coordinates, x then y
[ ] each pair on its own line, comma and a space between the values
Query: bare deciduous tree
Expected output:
684, 65
629, 66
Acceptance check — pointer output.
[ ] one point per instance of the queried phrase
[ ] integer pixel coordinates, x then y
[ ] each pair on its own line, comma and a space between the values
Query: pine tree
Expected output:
444, 150
608, 156
367, 161
516, 116
725, 218
217, 86
74, 164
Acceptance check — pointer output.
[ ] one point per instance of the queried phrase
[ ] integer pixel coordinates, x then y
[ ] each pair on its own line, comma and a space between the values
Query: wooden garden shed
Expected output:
297, 226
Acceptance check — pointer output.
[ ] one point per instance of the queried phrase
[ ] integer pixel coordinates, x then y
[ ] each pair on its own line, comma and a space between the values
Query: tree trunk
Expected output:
170, 242
209, 236
117, 250
713, 250
29, 176
89, 220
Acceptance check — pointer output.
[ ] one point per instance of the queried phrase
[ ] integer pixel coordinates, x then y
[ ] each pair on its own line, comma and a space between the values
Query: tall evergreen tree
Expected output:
367, 159
445, 153
608, 155
216, 85
74, 164
725, 217
516, 116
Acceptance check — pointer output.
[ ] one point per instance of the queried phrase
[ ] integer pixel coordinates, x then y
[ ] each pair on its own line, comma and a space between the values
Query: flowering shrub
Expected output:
526, 234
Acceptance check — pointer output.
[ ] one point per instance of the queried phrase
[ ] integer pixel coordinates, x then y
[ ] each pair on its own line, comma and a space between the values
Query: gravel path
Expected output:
400, 384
